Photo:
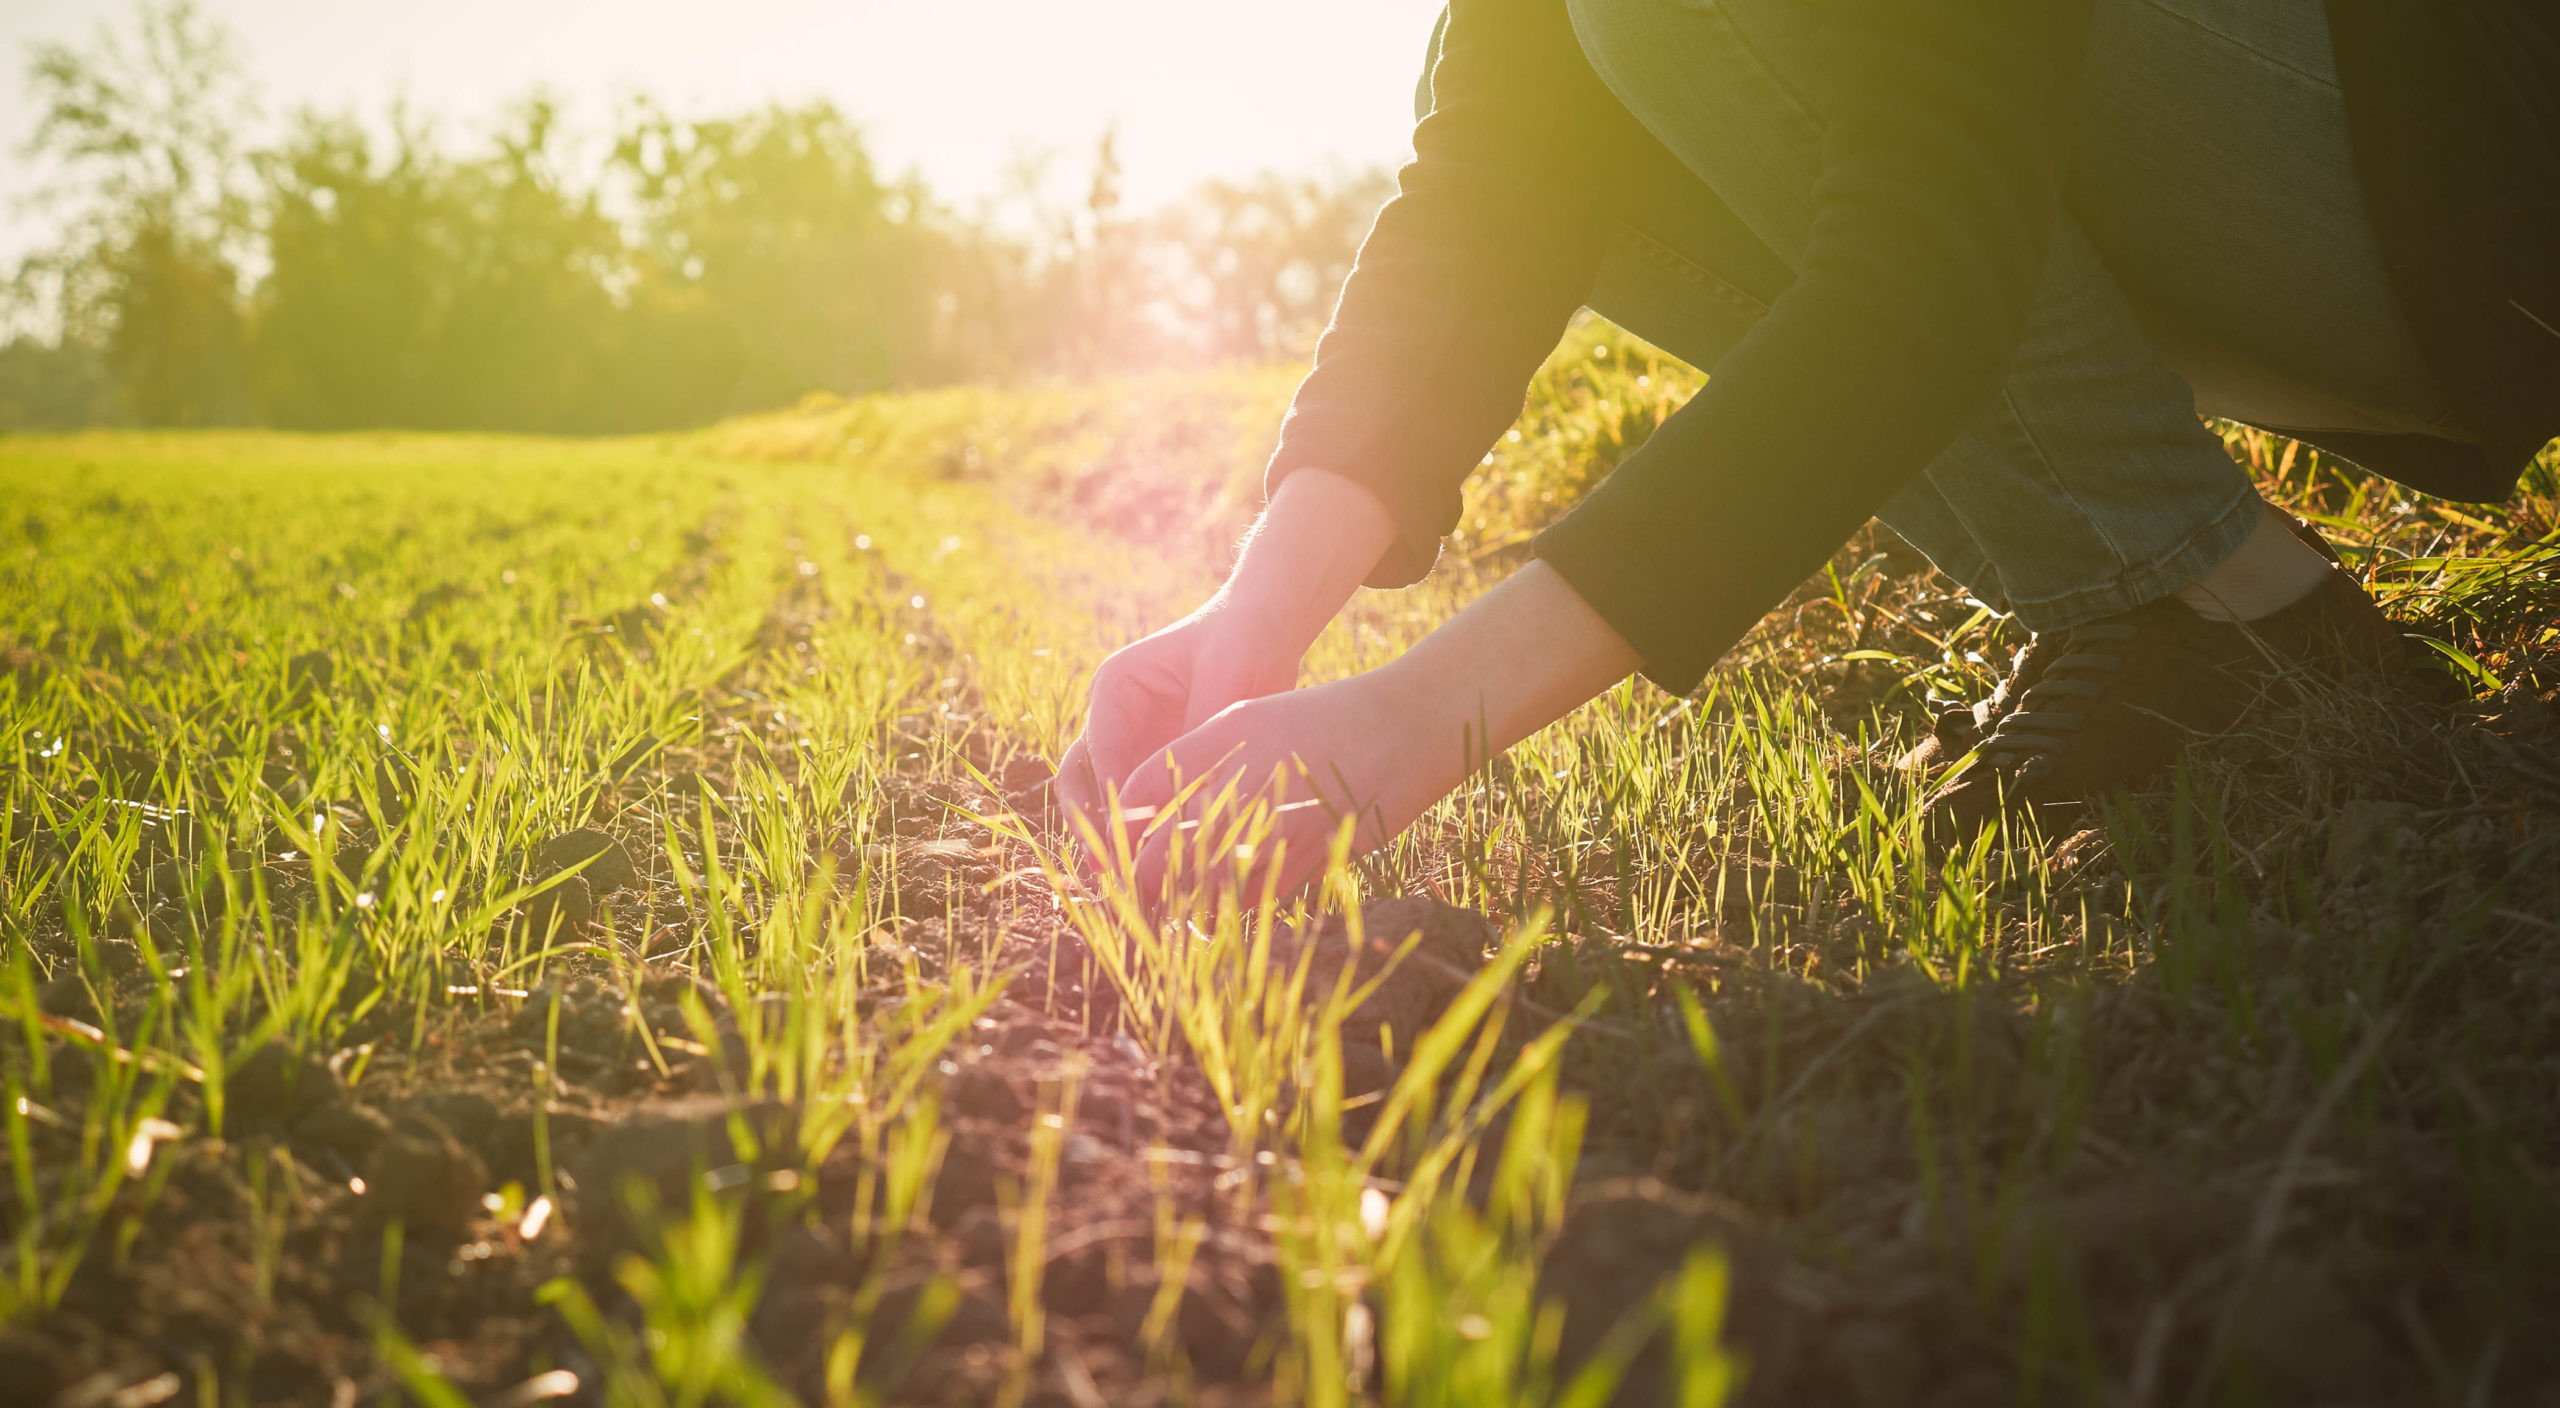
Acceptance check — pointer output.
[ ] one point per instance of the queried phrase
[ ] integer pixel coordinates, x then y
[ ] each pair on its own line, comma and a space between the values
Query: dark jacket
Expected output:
1942, 175
2454, 107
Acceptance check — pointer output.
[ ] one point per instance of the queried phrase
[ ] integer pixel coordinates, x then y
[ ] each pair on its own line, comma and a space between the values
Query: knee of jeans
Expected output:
1599, 24
1661, 58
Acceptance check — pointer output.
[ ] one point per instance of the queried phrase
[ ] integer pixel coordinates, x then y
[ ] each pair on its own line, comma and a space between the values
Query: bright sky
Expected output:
955, 88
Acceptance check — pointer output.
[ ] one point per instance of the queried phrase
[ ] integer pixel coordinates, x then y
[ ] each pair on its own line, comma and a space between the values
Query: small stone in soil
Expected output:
129, 771
67, 997
1622, 1239
311, 671
345, 1128
608, 865
562, 909
394, 784
424, 1176
1448, 947
349, 858
667, 1145
984, 1093
275, 1088
470, 1115
32, 1366
1026, 784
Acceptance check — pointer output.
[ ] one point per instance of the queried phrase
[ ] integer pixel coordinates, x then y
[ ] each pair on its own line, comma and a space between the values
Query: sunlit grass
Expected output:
401, 673
285, 720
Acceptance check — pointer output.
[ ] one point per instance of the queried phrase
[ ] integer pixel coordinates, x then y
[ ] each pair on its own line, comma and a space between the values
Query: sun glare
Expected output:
961, 93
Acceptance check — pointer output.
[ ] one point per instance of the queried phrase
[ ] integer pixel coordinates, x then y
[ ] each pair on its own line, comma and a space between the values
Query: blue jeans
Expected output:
2215, 253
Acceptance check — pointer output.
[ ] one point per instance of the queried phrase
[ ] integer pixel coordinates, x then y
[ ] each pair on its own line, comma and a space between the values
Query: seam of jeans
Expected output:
2132, 587
2061, 485
1758, 53
1753, 53
1651, 248
1974, 573
2328, 81
1789, 106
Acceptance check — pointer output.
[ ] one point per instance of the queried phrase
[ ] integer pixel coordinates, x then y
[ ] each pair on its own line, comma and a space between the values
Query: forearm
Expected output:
1317, 538
1517, 659
1386, 744
1940, 187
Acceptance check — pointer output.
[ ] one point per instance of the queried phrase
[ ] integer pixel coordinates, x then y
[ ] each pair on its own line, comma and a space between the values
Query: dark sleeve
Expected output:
1942, 163
1466, 280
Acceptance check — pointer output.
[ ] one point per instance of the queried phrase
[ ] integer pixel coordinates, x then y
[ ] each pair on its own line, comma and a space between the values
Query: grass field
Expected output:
500, 920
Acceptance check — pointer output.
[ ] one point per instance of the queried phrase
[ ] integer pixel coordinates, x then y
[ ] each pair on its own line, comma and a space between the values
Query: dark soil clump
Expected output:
606, 865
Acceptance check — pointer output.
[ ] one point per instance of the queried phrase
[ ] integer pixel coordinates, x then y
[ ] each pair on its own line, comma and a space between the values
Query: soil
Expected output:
427, 1137
2183, 1216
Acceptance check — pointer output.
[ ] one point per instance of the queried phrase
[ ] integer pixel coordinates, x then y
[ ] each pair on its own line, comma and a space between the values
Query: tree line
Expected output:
677, 267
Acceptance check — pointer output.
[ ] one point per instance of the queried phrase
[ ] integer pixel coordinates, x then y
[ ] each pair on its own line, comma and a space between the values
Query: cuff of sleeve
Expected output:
1610, 573
1419, 525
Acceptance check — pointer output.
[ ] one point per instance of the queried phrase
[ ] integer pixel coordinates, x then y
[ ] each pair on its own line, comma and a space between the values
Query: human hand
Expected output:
1378, 748
1151, 692
1307, 552
1352, 749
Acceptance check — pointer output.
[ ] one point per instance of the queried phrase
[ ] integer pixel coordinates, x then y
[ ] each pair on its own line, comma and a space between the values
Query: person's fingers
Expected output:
1154, 782
1130, 719
1196, 764
1183, 835
1080, 795
1295, 849
1147, 875
1218, 678
1074, 784
1149, 795
1162, 800
1304, 843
